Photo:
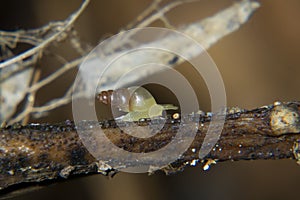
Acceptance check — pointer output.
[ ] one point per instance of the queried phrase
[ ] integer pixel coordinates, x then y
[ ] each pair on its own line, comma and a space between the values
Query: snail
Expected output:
136, 101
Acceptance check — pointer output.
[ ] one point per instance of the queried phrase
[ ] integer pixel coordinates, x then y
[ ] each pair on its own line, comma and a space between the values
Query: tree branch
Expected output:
39, 152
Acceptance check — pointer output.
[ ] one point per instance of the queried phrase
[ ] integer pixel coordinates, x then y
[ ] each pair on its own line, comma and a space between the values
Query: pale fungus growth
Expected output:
208, 163
234, 110
296, 151
194, 162
176, 116
284, 120
277, 103
65, 172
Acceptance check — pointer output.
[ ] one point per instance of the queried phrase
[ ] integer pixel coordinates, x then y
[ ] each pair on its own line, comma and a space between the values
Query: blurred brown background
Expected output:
260, 63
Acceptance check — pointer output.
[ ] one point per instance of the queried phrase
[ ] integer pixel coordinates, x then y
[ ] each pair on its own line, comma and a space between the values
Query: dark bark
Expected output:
38, 152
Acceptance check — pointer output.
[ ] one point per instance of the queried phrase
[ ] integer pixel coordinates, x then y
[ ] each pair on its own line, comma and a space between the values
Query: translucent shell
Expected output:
137, 101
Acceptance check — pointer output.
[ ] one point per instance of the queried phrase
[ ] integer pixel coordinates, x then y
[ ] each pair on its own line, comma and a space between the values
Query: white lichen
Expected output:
296, 151
194, 162
65, 172
103, 168
284, 119
208, 163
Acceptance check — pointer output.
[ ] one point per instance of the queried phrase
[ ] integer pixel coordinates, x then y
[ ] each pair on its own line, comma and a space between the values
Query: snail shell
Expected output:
137, 101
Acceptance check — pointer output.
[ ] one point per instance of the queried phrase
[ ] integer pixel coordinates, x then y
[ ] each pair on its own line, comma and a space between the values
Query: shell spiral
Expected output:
136, 101
128, 99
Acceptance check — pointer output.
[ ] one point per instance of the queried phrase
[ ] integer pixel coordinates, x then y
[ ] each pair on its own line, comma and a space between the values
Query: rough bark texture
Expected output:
39, 152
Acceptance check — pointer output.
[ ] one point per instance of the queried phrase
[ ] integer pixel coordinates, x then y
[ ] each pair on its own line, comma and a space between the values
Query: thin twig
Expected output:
55, 103
56, 74
161, 12
31, 96
236, 15
152, 7
147, 17
49, 40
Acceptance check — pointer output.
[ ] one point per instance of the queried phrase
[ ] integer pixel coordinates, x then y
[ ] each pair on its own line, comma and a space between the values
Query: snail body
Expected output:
136, 101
